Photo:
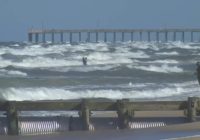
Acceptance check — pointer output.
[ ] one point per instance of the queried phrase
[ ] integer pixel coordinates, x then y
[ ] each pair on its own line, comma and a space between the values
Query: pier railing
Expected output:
124, 108
95, 35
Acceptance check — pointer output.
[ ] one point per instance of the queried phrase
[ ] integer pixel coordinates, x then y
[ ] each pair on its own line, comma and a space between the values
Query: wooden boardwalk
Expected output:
113, 35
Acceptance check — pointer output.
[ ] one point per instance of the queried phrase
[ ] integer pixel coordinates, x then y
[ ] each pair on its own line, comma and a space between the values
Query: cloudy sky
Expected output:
17, 16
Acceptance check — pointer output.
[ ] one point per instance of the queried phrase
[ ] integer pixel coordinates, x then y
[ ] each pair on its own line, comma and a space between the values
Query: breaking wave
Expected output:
42, 93
14, 73
162, 68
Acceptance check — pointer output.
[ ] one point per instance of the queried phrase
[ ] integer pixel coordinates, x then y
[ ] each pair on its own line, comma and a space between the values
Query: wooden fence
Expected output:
125, 109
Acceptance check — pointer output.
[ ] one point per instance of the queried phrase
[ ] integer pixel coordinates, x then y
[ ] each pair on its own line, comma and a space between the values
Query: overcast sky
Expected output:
17, 16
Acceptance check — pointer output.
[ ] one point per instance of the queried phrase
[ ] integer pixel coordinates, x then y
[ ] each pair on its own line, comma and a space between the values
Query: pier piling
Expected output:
52, 37
43, 38
174, 36
157, 36
36, 38
132, 36
166, 36
97, 37
183, 36
114, 37
61, 38
192, 38
79, 36
122, 36
88, 37
70, 37
140, 36
30, 37
105, 36
149, 36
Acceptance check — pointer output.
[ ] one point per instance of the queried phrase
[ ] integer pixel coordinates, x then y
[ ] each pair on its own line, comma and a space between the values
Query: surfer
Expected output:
198, 71
84, 59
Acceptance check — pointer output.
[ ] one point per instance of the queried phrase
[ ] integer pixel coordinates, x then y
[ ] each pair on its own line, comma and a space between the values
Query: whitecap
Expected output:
4, 72
165, 61
167, 53
42, 93
163, 68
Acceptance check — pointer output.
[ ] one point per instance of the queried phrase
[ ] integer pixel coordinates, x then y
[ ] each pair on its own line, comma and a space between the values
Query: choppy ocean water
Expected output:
134, 70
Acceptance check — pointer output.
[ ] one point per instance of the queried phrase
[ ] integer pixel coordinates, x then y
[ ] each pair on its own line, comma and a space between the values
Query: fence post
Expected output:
192, 105
85, 114
123, 114
12, 119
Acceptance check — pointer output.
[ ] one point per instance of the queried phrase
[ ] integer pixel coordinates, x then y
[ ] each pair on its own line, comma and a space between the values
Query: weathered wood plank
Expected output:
158, 105
95, 105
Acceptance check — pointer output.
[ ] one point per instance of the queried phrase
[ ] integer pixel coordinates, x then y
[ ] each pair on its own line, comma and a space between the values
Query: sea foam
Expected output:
44, 93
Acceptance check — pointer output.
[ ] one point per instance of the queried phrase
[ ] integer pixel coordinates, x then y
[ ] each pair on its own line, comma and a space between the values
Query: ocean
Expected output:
133, 70
147, 71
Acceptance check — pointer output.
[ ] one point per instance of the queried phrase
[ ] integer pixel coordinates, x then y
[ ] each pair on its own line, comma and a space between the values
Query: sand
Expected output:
183, 131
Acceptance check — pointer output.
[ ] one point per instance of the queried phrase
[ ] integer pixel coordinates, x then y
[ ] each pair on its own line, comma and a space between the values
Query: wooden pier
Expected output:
124, 108
113, 35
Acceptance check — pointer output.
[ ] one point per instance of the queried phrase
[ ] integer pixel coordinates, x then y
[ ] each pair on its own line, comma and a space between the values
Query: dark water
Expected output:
135, 70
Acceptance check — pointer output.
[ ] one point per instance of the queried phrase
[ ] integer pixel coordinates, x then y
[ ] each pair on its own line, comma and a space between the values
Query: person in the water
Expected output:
198, 71
84, 59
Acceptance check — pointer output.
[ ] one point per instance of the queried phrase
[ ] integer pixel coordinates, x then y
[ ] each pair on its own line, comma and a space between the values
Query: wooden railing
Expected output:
125, 109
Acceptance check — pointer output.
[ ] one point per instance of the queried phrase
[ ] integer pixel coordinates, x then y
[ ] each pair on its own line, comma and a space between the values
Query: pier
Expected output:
112, 35
125, 110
